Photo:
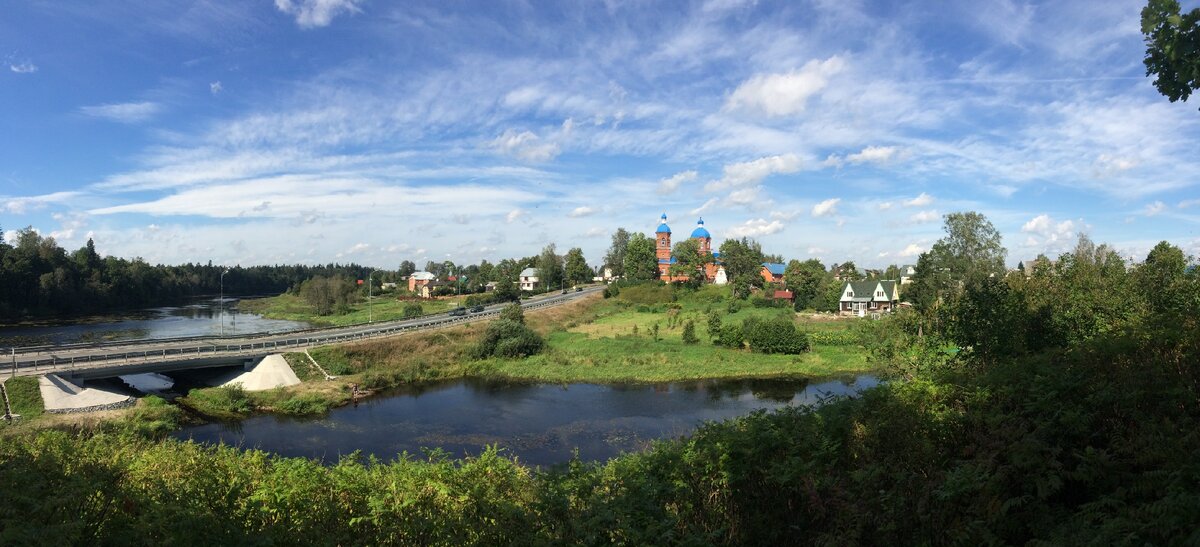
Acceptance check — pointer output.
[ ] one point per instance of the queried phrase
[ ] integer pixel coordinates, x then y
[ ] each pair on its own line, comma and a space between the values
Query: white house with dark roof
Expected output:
528, 279
863, 297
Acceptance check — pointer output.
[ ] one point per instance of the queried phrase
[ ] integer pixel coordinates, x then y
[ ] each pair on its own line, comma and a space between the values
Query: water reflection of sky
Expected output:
200, 318
541, 424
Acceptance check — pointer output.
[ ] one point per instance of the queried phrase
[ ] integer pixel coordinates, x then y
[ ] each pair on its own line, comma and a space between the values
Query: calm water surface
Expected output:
200, 318
541, 424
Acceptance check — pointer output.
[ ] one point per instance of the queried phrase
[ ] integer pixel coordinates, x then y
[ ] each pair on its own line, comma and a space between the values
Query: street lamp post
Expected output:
221, 303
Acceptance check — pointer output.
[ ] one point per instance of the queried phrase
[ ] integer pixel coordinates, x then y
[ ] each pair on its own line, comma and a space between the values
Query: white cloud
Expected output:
785, 215
1047, 234
358, 248
885, 206
525, 146
925, 216
316, 13
787, 93
1188, 203
753, 172
123, 112
24, 67
919, 201
215, 87
1154, 209
756, 228
708, 205
873, 154
814, 251
671, 184
21, 205
513, 215
746, 196
581, 212
826, 208
910, 251
595, 232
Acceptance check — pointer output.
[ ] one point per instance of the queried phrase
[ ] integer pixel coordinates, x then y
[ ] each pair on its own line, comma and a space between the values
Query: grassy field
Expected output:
25, 396
383, 308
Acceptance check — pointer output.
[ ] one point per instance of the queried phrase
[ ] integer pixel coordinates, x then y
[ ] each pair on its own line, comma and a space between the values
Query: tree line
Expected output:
38, 278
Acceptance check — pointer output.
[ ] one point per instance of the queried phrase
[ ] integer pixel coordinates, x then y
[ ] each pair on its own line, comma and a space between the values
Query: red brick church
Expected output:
713, 272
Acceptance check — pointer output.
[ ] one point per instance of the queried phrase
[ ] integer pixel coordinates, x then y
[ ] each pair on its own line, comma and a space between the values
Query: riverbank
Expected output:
594, 340
385, 307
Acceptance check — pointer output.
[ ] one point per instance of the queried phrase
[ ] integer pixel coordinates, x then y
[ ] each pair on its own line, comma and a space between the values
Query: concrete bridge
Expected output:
102, 360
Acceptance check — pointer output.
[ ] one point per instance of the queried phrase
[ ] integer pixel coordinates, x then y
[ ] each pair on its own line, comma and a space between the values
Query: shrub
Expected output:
304, 404
513, 313
763, 302
734, 306
834, 338
413, 309
689, 332
506, 338
612, 290
648, 293
778, 335
714, 325
731, 336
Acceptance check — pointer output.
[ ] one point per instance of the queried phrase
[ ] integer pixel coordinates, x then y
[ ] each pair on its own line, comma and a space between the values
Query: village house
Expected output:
419, 283
907, 273
874, 297
528, 279
773, 272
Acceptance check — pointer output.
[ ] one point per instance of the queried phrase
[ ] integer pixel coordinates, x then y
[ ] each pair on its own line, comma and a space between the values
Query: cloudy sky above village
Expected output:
316, 131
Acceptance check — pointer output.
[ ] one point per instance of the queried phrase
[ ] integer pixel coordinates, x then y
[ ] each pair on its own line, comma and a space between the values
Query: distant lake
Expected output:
199, 318
541, 424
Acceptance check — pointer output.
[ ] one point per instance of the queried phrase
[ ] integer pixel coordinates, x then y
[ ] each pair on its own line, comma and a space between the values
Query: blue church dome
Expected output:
700, 231
663, 228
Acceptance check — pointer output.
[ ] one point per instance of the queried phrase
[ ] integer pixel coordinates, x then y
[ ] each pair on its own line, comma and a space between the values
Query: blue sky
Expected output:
342, 130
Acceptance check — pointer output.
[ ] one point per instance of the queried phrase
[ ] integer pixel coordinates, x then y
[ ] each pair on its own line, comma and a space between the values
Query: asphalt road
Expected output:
66, 358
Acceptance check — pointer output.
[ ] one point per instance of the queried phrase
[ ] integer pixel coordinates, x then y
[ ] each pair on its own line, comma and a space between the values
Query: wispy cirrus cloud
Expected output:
123, 112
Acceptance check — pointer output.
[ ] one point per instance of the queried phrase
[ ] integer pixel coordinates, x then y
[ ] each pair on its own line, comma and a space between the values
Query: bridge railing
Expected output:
248, 347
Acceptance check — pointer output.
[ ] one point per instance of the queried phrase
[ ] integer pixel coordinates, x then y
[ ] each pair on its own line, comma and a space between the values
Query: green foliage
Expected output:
742, 259
640, 261
689, 332
734, 306
970, 252
509, 339
612, 290
513, 313
303, 405
731, 336
413, 309
1172, 48
220, 402
689, 262
714, 325
25, 396
648, 293
328, 295
550, 268
776, 335
654, 332
805, 279
577, 270
615, 257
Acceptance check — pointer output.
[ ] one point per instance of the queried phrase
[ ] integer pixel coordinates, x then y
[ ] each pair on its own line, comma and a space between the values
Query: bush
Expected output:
759, 301
513, 313
506, 338
612, 290
689, 332
714, 325
731, 336
778, 335
304, 404
413, 309
834, 338
734, 306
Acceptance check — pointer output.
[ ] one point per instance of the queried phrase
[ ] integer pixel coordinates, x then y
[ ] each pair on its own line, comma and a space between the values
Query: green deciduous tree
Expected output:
640, 261
804, 279
577, 269
550, 268
689, 262
742, 259
615, 258
1172, 48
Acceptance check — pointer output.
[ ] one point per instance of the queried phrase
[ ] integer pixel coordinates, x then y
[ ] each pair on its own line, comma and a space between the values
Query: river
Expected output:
541, 424
199, 318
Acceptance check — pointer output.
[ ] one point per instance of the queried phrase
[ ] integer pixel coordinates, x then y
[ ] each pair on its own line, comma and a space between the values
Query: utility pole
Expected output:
221, 302
370, 318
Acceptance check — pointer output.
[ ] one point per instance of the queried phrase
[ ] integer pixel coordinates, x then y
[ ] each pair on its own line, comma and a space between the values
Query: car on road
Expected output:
457, 312
476, 309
